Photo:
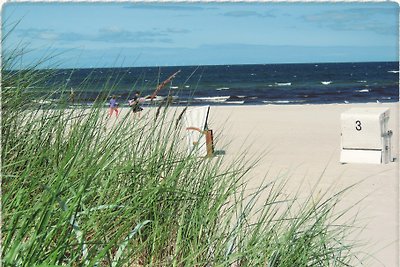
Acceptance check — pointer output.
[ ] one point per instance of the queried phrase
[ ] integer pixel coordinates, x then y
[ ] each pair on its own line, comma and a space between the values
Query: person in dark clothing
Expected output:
135, 104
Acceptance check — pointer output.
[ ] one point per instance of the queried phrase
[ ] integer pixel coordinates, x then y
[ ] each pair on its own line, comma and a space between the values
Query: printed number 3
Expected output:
358, 125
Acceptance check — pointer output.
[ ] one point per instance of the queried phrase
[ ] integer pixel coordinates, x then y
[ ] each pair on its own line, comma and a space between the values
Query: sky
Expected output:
130, 34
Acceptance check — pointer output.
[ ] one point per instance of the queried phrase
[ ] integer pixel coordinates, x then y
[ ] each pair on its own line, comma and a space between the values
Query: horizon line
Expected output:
190, 65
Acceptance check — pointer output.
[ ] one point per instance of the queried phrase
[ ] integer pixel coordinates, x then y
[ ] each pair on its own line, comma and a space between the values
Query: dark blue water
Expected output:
242, 84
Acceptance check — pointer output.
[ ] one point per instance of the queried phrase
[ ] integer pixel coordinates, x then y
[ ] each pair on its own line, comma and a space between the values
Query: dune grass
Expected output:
79, 192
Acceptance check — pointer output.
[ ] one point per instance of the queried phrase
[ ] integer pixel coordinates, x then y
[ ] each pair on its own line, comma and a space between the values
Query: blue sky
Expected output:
169, 34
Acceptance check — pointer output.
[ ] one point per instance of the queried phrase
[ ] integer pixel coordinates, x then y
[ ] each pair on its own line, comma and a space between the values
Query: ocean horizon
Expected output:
249, 84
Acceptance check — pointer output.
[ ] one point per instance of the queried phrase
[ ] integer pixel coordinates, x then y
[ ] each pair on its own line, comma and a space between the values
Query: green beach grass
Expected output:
76, 192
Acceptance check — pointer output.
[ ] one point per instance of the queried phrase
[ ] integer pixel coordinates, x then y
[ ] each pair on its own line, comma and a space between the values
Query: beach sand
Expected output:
302, 142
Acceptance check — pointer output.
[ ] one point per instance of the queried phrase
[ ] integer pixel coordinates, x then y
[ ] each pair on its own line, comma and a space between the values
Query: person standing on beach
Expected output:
113, 107
72, 96
170, 98
135, 104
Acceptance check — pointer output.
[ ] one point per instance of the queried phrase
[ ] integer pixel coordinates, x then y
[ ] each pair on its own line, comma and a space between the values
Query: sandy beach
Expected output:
302, 142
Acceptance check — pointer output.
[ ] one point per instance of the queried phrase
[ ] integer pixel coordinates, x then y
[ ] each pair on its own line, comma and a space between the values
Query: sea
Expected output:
260, 84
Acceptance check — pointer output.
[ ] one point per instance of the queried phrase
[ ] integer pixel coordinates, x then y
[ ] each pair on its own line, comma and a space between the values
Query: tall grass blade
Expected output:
122, 247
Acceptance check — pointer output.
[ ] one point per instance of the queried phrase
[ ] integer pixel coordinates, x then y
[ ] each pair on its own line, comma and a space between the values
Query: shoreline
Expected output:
156, 105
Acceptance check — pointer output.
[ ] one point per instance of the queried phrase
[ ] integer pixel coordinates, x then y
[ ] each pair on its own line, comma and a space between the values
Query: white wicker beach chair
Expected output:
200, 138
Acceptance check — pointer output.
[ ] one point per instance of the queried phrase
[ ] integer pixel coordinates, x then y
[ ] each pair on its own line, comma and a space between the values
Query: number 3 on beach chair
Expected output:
200, 138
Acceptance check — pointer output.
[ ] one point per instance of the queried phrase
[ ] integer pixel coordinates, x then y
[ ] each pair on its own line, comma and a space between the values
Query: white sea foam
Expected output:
326, 83
393, 71
213, 98
283, 101
222, 88
361, 81
174, 87
363, 91
157, 98
187, 86
234, 102
283, 84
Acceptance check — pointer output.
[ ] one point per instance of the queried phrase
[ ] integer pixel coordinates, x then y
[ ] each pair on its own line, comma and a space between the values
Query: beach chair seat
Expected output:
200, 138
365, 137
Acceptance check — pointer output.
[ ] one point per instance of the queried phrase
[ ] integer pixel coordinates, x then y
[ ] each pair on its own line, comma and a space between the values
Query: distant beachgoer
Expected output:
170, 98
113, 107
72, 96
135, 104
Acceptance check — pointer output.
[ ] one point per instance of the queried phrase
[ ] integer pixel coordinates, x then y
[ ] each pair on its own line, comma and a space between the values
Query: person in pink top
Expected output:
113, 107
